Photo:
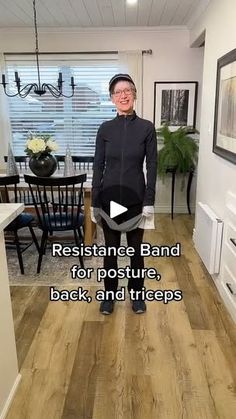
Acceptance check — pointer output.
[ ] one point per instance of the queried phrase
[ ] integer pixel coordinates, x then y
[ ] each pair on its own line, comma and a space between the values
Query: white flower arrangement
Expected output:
40, 144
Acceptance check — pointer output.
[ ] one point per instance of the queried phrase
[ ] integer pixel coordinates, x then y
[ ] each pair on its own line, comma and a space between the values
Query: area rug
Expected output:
55, 270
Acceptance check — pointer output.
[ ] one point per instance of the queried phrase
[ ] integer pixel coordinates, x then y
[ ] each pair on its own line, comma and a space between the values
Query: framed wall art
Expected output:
175, 104
224, 137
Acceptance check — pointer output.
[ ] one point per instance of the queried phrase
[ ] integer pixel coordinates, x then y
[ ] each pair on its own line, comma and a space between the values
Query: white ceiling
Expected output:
101, 13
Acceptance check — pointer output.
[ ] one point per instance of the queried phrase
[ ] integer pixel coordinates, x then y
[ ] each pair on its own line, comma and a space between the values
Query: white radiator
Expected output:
208, 237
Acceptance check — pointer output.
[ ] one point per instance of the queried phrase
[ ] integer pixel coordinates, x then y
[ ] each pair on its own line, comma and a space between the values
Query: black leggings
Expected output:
134, 239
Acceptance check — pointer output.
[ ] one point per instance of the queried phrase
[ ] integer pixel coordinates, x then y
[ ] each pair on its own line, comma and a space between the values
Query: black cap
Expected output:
119, 77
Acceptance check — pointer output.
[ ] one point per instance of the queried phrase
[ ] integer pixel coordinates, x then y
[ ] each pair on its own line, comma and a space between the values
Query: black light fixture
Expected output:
38, 88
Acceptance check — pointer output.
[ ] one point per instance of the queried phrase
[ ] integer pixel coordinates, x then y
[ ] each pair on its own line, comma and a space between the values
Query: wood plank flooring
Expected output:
176, 361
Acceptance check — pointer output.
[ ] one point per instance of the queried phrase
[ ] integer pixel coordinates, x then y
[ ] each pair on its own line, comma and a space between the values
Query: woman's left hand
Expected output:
148, 211
94, 215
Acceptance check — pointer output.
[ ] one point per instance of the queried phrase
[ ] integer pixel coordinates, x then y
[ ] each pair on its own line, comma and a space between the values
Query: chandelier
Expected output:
38, 88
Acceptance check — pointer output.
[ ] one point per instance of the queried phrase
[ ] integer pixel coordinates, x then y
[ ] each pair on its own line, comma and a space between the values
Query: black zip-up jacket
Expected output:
121, 147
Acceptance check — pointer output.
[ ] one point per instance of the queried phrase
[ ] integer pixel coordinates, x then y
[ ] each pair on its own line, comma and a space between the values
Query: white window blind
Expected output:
71, 121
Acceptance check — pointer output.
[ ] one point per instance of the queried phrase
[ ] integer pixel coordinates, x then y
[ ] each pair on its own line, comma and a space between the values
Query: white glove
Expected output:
148, 211
147, 221
93, 211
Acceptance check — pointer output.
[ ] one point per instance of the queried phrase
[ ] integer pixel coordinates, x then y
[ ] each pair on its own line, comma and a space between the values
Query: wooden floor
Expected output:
176, 361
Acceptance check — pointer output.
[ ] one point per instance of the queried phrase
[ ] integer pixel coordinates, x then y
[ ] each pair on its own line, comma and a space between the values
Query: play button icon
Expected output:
117, 204
116, 209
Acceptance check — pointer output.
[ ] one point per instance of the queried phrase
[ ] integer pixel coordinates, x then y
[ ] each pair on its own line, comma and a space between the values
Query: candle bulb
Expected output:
59, 81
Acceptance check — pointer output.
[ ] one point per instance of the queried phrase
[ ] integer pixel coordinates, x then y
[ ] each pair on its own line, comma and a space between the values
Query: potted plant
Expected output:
179, 151
39, 148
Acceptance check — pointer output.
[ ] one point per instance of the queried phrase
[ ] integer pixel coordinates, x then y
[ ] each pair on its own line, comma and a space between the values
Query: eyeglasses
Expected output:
128, 91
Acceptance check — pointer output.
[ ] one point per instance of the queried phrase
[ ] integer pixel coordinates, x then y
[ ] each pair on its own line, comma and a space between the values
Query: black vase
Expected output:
44, 165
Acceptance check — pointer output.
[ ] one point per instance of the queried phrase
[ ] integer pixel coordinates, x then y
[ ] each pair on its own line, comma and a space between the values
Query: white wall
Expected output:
216, 175
172, 60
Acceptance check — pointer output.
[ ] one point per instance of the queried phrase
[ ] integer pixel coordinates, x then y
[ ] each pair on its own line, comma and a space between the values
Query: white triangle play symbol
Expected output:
116, 209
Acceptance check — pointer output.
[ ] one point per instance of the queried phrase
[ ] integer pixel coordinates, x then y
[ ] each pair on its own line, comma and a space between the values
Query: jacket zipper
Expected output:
122, 155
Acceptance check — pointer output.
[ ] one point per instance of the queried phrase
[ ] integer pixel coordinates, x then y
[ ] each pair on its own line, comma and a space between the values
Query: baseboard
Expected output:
10, 397
178, 209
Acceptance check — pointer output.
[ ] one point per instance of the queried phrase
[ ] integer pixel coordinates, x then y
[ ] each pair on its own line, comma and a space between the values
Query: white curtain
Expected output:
5, 127
131, 62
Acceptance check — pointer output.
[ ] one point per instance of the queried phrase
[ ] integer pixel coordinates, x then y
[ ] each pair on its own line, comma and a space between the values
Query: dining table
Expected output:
89, 226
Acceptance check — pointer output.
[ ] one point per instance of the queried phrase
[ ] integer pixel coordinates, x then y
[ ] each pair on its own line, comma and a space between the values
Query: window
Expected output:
71, 121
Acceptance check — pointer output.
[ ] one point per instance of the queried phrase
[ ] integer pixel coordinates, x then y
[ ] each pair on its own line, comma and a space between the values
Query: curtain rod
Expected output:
144, 51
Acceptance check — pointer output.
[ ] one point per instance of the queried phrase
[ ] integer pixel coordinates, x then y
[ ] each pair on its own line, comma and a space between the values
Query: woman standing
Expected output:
122, 144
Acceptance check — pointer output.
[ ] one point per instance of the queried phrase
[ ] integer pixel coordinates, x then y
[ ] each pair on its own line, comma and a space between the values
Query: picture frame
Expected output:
224, 136
175, 104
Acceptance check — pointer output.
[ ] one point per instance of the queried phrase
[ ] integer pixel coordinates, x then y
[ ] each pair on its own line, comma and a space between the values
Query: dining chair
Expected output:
57, 203
80, 162
22, 162
9, 193
83, 162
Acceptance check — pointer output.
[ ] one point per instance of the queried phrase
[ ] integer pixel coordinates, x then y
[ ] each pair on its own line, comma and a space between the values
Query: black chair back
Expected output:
57, 201
83, 162
10, 193
80, 162
8, 189
22, 162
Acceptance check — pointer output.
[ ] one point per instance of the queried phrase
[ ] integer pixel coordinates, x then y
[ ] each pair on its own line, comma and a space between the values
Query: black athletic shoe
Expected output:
139, 306
106, 307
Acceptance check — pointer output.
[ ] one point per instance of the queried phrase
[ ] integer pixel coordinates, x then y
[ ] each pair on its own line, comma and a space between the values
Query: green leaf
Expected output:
179, 150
